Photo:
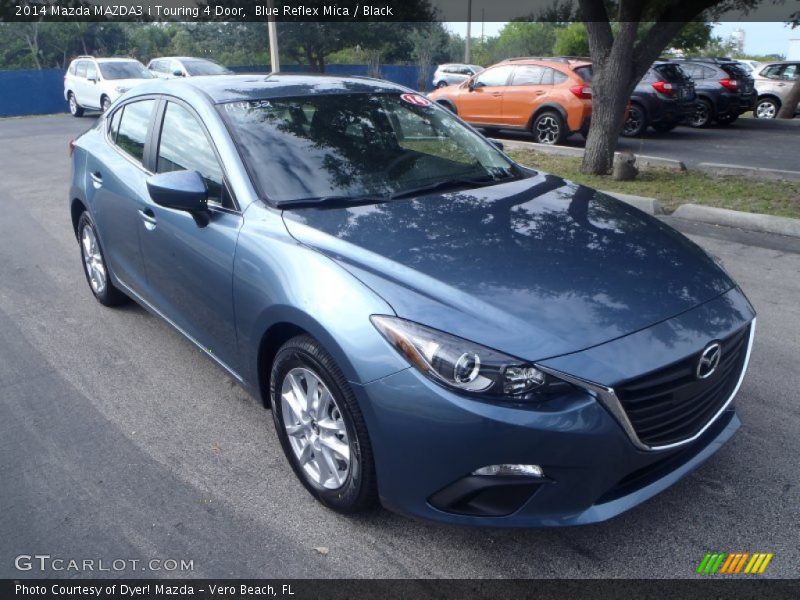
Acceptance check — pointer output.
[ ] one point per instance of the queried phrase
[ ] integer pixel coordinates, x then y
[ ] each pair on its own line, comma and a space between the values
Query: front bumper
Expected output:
427, 440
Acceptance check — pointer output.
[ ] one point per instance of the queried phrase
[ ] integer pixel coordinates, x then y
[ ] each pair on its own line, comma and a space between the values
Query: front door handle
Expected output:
97, 178
149, 219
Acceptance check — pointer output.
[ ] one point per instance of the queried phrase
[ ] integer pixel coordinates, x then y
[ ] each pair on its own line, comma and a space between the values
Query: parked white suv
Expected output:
168, 67
94, 83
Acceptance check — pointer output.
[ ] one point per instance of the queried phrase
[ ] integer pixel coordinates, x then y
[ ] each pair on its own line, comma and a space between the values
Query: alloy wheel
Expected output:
766, 110
633, 124
73, 105
93, 260
315, 428
547, 130
701, 116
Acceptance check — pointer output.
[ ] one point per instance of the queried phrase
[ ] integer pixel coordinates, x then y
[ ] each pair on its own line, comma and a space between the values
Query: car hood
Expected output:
536, 268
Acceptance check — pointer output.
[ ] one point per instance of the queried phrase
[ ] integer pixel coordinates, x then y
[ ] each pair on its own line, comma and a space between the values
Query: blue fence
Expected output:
33, 92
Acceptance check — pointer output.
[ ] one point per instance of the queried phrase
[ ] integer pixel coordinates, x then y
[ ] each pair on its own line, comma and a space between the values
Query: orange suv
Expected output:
550, 97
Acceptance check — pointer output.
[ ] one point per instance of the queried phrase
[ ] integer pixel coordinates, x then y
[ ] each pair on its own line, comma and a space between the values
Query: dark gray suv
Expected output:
663, 99
724, 90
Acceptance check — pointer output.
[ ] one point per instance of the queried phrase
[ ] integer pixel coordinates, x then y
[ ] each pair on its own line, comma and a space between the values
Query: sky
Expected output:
759, 38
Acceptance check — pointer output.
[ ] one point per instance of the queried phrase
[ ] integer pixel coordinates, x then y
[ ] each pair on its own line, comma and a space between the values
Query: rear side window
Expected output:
670, 72
585, 73
113, 124
184, 147
734, 71
72, 68
133, 125
528, 75
80, 70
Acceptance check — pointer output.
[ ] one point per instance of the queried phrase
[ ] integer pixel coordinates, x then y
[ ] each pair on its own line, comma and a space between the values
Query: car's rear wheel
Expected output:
75, 109
766, 108
549, 128
94, 264
703, 114
105, 103
664, 127
636, 123
320, 427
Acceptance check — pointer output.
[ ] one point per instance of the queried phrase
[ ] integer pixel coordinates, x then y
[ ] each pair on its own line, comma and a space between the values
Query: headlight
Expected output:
464, 365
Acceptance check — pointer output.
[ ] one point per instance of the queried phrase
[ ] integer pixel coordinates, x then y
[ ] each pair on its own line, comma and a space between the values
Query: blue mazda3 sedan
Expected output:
434, 326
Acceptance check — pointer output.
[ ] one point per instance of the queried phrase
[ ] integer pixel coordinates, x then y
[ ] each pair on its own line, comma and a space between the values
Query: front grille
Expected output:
671, 405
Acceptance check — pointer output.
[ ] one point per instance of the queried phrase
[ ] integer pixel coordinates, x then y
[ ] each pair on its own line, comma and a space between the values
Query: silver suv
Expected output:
773, 83
94, 83
454, 73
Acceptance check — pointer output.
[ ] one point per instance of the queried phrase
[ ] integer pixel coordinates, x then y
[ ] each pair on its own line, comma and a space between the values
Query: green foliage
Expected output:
572, 40
520, 38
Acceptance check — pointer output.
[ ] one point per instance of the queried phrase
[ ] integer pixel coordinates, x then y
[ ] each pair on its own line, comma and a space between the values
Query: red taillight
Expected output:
664, 87
730, 84
71, 147
582, 91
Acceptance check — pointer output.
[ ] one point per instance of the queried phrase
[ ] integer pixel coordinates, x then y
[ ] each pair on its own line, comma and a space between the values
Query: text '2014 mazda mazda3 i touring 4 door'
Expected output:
434, 326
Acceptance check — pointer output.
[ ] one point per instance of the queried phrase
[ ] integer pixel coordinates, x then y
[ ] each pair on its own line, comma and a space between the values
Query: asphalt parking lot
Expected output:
120, 440
747, 142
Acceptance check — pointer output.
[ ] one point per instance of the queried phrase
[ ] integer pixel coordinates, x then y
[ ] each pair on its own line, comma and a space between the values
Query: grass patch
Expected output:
673, 188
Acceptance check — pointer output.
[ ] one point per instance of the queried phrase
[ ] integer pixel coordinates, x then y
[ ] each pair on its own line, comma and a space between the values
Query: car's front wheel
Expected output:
75, 109
767, 108
105, 103
94, 264
441, 84
321, 428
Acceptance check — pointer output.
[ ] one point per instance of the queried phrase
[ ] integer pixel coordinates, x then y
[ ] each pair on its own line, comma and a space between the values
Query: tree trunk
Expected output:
790, 105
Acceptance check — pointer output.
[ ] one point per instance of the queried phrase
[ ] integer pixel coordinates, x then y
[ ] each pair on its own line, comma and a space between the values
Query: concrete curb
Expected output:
641, 159
742, 220
753, 172
649, 205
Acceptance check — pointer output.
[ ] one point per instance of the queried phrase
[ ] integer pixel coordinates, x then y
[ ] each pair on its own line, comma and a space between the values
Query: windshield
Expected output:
357, 145
129, 69
203, 67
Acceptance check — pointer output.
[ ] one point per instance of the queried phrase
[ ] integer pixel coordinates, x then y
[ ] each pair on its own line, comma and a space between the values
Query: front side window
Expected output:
133, 126
80, 71
349, 145
493, 77
91, 71
125, 69
184, 147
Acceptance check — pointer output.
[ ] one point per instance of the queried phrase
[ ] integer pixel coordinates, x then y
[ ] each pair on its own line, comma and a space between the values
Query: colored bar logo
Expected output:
716, 563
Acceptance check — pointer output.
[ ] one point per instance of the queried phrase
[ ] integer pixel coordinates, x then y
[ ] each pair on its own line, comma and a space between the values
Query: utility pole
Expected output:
274, 58
468, 45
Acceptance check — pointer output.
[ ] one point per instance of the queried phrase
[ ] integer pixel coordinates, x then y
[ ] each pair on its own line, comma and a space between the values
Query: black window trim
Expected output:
151, 153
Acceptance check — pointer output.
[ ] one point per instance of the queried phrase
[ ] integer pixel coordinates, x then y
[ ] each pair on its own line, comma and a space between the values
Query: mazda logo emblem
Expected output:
709, 360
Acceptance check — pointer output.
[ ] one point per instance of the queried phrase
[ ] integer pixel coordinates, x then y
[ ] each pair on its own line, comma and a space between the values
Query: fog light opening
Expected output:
504, 470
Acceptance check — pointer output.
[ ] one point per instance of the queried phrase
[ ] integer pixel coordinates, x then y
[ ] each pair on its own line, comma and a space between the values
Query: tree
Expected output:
572, 40
524, 38
693, 37
429, 41
621, 57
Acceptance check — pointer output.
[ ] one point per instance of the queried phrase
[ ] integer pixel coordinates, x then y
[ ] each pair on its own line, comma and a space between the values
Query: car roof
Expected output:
231, 88
182, 58
572, 62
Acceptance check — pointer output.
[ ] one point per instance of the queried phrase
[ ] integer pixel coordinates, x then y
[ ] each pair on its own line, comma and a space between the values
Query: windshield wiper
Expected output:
332, 200
458, 182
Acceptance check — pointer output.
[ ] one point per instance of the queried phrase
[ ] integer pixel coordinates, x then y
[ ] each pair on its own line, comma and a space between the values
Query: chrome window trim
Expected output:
608, 398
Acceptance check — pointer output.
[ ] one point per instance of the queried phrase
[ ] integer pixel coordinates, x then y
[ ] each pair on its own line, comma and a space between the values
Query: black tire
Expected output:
766, 108
636, 123
358, 493
704, 114
664, 127
105, 103
549, 128
75, 109
441, 84
109, 295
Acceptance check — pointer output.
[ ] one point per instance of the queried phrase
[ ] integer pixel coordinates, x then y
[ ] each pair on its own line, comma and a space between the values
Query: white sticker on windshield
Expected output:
415, 99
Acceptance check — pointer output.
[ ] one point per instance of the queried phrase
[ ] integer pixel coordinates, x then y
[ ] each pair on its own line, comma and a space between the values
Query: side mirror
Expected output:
496, 143
179, 190
177, 73
471, 84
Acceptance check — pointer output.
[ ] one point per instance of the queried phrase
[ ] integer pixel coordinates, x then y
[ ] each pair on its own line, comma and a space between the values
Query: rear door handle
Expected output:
97, 178
149, 219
